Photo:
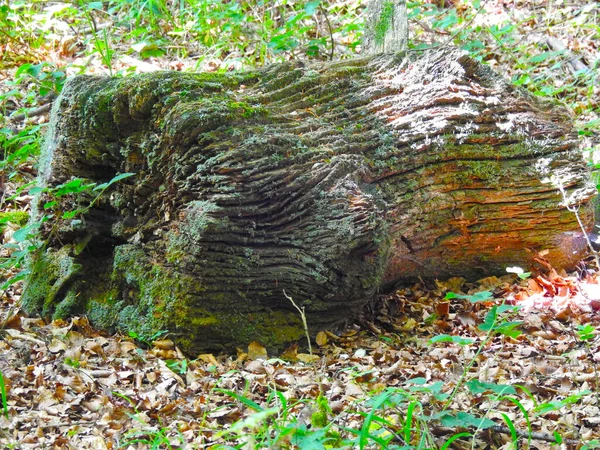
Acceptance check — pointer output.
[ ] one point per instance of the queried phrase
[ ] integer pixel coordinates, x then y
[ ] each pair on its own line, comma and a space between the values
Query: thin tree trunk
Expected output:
386, 28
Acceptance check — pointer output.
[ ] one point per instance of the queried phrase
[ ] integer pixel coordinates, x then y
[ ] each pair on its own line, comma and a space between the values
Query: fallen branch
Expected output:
575, 61
535, 435
39, 111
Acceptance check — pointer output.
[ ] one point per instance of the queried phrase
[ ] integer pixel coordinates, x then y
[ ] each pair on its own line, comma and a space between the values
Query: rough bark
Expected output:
332, 182
386, 28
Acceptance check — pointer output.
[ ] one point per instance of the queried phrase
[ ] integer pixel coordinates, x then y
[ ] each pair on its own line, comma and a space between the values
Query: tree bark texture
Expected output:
386, 28
331, 181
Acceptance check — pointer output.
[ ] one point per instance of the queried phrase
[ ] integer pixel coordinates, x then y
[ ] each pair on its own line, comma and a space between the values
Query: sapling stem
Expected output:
303, 317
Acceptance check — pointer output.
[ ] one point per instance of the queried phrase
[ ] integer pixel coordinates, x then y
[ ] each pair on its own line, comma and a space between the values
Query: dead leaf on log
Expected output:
256, 351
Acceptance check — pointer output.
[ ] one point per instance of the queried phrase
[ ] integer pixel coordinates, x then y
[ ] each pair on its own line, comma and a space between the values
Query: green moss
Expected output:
271, 328
199, 216
486, 146
144, 289
283, 76
319, 418
187, 121
154, 298
51, 272
489, 171
547, 205
203, 322
15, 217
104, 313
246, 109
385, 21
69, 305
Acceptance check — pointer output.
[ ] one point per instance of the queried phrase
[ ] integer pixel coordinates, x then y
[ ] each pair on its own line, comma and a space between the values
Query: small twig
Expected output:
303, 316
535, 435
575, 210
40, 110
330, 31
576, 63
460, 30
585, 377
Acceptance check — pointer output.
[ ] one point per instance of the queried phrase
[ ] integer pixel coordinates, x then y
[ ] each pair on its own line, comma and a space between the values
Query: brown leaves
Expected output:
565, 296
67, 383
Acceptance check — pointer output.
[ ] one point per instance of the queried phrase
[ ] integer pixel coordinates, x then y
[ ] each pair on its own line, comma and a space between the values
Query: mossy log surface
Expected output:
332, 182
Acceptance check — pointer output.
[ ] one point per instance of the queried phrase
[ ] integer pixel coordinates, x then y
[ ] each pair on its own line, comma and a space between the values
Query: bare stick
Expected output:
40, 110
303, 316
575, 210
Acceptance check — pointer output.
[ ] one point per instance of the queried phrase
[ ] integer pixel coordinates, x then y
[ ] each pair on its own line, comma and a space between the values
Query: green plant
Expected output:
101, 41
3, 396
18, 218
147, 340
45, 76
257, 426
155, 437
586, 332
16, 24
24, 244
276, 423
320, 417
495, 324
72, 362
18, 149
27, 239
547, 407
378, 425
590, 445
76, 187
177, 365
394, 418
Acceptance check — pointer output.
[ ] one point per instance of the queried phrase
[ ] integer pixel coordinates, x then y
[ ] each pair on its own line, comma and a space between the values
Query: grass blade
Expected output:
240, 398
3, 395
453, 438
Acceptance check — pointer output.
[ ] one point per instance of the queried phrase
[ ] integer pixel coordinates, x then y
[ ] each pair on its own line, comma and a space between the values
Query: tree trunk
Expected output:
386, 28
332, 182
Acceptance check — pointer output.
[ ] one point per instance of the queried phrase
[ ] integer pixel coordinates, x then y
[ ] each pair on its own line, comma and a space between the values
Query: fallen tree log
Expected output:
332, 182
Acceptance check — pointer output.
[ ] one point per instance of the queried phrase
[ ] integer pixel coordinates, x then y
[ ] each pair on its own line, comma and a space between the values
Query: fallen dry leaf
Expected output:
256, 351
321, 339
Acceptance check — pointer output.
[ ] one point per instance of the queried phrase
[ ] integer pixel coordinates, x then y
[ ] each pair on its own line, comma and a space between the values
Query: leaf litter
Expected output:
71, 386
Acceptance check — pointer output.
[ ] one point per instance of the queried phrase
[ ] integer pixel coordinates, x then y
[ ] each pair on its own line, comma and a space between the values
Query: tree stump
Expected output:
331, 181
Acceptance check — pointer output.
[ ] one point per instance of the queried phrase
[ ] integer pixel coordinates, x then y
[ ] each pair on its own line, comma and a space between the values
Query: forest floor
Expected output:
70, 386
421, 367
